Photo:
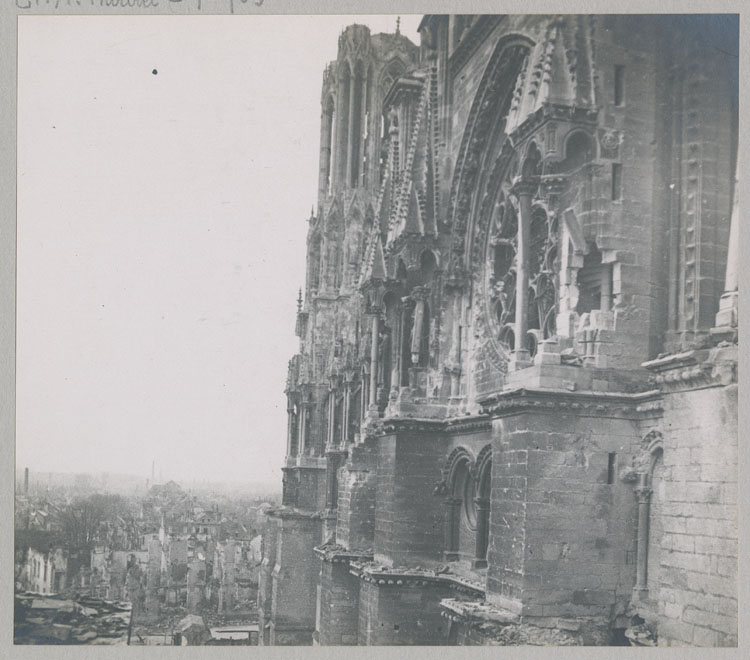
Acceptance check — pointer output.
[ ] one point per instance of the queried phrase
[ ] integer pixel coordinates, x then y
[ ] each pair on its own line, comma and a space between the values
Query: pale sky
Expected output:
161, 236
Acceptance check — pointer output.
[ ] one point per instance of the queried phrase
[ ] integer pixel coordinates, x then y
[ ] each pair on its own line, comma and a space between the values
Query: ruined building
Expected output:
513, 414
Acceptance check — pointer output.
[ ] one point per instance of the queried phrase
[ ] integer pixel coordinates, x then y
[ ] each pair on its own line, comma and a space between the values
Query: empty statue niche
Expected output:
355, 411
407, 329
532, 164
580, 149
388, 358
594, 281
428, 267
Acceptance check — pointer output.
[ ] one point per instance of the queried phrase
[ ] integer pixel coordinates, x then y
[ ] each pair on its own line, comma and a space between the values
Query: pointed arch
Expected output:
483, 135
458, 455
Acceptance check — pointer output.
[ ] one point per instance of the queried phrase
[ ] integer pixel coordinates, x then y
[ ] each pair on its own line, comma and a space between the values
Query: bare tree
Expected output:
82, 519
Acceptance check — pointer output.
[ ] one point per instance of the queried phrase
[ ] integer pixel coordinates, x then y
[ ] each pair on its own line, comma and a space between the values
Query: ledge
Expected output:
338, 554
595, 403
499, 627
461, 610
291, 512
412, 577
695, 369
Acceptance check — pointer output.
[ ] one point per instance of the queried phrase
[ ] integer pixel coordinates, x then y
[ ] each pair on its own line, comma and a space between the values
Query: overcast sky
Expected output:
166, 170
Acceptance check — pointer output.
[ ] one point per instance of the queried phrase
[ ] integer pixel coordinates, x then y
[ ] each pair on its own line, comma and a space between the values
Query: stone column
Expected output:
452, 516
290, 428
364, 129
419, 295
643, 492
347, 408
483, 523
364, 395
331, 415
374, 357
520, 355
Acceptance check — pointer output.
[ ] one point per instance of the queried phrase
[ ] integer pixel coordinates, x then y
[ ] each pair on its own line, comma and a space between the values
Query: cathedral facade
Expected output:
512, 418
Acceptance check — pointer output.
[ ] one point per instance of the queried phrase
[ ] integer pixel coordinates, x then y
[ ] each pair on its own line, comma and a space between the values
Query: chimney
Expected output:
26, 481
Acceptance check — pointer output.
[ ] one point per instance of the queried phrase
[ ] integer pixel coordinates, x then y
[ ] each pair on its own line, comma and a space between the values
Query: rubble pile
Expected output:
56, 620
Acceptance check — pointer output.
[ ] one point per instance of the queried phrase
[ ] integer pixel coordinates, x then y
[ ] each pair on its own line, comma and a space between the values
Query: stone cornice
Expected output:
384, 576
337, 554
523, 400
468, 424
604, 404
451, 426
411, 425
695, 369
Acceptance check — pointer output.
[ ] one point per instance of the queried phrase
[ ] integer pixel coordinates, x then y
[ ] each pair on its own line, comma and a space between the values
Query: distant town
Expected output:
114, 559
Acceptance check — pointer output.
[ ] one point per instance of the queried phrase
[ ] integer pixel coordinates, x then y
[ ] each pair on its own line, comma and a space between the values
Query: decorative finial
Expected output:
398, 25
299, 301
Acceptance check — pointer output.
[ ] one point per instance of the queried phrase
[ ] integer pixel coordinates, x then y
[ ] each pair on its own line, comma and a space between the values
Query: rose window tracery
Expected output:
543, 269
542, 266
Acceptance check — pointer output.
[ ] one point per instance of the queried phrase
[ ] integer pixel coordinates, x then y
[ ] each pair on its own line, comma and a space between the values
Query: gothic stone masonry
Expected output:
513, 414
